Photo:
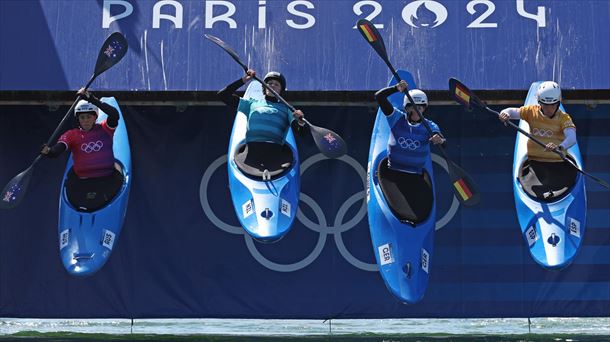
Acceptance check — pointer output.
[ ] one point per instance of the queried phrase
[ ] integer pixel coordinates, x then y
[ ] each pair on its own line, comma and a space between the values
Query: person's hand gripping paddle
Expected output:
111, 52
464, 186
328, 142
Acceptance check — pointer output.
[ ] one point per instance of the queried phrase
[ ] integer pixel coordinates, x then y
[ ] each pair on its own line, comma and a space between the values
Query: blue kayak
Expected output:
553, 230
403, 250
86, 239
265, 201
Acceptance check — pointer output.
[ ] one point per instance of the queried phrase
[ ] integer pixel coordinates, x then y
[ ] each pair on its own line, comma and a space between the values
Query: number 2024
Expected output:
478, 22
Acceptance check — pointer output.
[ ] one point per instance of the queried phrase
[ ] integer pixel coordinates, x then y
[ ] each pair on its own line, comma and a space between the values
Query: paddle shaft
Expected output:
279, 97
384, 56
63, 121
421, 115
463, 186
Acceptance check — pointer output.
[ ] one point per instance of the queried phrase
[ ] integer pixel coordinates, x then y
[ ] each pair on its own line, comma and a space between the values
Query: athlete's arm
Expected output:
227, 94
113, 114
570, 138
511, 113
382, 99
54, 151
300, 130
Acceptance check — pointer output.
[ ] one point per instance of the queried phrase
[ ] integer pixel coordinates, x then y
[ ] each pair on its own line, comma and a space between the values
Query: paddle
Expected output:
463, 185
468, 99
328, 142
111, 52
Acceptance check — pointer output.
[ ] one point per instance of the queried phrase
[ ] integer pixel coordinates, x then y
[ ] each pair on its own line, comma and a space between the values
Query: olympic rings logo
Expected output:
322, 226
409, 143
541, 132
92, 146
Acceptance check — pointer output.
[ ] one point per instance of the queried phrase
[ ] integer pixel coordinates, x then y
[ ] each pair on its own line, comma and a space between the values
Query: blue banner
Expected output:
489, 44
183, 254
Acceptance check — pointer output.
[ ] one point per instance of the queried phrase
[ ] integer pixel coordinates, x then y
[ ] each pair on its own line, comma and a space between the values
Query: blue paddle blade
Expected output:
329, 143
15, 190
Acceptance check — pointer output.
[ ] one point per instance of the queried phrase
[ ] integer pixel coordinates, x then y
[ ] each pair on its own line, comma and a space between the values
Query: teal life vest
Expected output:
267, 121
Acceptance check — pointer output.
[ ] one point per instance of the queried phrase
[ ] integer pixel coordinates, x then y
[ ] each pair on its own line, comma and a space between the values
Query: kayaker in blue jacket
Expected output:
268, 123
405, 184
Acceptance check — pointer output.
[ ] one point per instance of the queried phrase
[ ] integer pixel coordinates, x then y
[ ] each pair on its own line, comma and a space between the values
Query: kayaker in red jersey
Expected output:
547, 175
93, 180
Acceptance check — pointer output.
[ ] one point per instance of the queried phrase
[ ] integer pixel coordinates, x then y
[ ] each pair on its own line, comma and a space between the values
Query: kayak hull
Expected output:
86, 239
403, 251
266, 209
553, 231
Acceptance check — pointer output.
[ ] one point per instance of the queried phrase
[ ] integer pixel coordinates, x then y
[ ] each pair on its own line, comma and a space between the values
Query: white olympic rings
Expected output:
322, 226
92, 146
408, 143
541, 132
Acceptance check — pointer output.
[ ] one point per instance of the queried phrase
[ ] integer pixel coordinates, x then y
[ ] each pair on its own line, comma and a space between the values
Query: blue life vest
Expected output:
267, 121
408, 144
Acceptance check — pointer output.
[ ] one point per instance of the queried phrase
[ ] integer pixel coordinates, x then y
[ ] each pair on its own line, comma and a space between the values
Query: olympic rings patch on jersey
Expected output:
541, 132
407, 143
92, 146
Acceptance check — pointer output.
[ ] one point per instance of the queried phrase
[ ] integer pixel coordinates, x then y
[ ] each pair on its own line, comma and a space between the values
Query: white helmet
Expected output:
84, 107
418, 96
548, 93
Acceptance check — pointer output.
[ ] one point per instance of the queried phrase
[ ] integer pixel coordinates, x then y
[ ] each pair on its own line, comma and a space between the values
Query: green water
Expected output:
378, 330
62, 336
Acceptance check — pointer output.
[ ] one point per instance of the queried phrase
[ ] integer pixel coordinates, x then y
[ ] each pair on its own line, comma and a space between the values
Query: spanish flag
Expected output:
462, 95
462, 189
370, 36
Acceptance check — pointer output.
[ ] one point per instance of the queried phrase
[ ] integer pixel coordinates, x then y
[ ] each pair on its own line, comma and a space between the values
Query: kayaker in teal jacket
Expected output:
268, 123
268, 119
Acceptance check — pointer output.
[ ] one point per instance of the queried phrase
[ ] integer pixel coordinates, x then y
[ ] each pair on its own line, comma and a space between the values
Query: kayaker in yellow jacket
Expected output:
556, 130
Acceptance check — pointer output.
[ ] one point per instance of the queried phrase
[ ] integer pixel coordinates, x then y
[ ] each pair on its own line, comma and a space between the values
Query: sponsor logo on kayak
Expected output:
385, 254
285, 207
108, 239
531, 235
425, 260
64, 238
574, 227
247, 209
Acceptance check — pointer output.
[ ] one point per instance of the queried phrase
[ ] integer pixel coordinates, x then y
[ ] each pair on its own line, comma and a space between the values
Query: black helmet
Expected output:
274, 75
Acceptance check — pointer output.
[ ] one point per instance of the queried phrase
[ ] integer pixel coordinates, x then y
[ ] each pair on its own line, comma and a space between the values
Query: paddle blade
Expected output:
372, 36
15, 190
113, 50
464, 96
329, 143
464, 187
227, 49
